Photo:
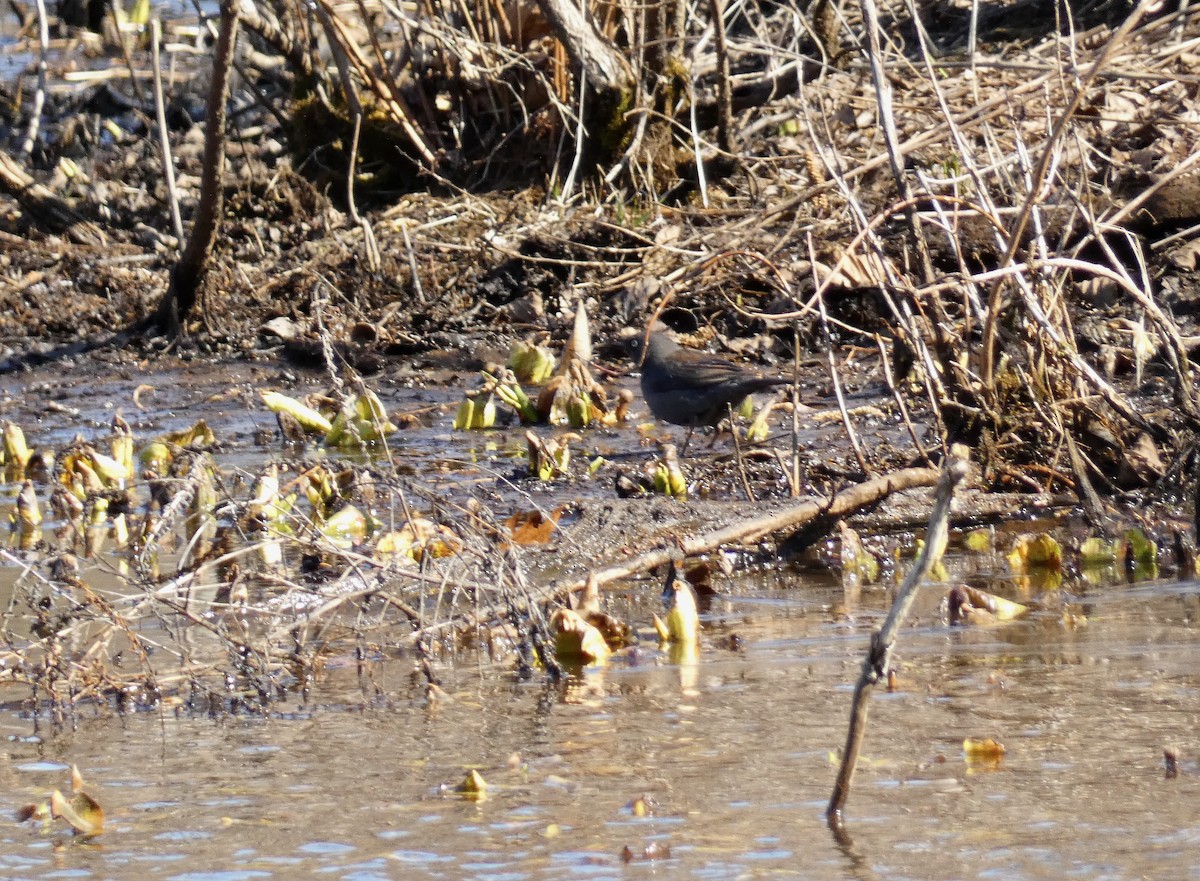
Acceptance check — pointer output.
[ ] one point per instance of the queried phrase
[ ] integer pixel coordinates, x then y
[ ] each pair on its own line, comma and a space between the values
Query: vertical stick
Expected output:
39, 98
160, 111
879, 655
724, 95
188, 275
795, 481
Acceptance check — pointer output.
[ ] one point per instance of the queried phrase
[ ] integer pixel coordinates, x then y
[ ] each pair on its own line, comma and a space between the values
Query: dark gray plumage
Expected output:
686, 387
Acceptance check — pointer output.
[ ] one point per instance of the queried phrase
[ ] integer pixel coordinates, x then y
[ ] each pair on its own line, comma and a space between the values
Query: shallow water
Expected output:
734, 754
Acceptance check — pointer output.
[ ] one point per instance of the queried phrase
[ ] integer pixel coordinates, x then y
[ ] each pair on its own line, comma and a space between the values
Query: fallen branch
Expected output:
805, 513
879, 655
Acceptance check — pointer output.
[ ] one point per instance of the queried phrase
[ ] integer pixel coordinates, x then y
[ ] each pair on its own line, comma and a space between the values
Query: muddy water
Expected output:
733, 754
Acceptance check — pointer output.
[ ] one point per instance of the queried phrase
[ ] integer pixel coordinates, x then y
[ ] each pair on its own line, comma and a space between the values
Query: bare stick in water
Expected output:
879, 655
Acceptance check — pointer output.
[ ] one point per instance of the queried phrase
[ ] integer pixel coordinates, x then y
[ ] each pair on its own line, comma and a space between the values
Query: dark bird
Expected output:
686, 387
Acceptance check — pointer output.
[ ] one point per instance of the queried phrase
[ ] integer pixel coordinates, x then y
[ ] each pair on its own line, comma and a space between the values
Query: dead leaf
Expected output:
668, 234
1141, 465
858, 270
533, 527
39, 812
1186, 256
971, 606
473, 787
81, 810
1035, 552
417, 538
577, 641
985, 749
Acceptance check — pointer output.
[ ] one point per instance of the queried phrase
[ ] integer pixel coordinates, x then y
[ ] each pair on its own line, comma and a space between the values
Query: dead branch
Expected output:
878, 657
607, 71
188, 275
793, 517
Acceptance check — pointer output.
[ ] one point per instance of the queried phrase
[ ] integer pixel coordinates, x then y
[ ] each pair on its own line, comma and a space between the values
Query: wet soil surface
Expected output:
162, 395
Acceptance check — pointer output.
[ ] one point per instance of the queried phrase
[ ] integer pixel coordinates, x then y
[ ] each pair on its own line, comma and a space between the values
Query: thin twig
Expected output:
580, 142
737, 454
885, 363
841, 398
39, 97
164, 139
412, 264
701, 180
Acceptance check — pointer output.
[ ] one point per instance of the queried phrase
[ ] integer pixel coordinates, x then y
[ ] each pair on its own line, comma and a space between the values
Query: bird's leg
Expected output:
727, 419
687, 440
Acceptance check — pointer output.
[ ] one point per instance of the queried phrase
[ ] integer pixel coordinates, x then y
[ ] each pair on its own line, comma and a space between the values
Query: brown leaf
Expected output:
971, 606
1141, 465
33, 812
860, 270
1187, 256
533, 527
578, 642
